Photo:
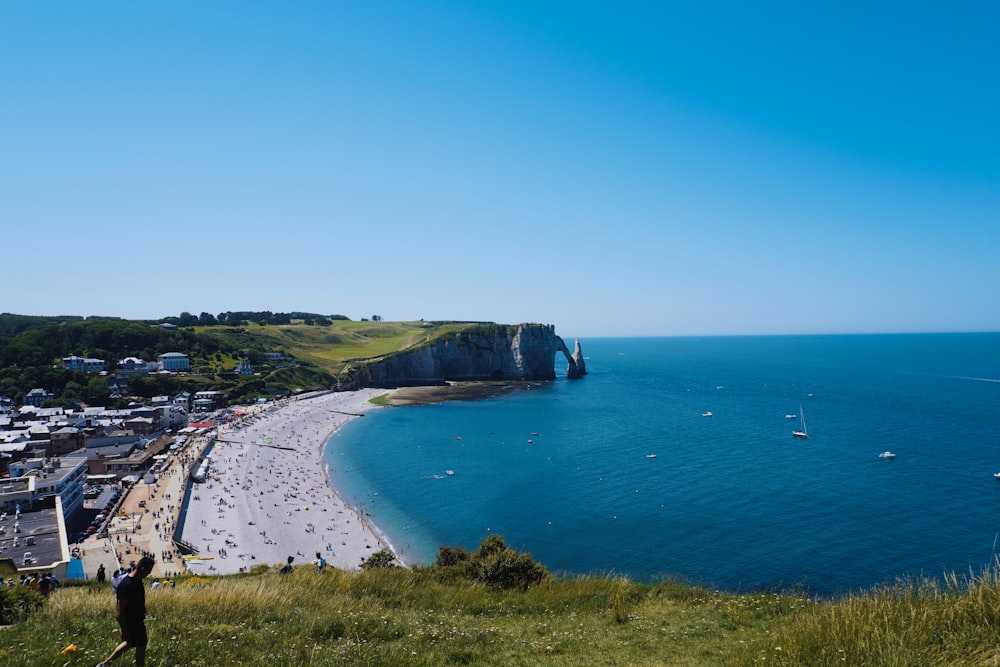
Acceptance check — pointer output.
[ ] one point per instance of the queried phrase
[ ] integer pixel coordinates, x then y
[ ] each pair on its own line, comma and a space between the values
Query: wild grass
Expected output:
911, 622
391, 617
426, 616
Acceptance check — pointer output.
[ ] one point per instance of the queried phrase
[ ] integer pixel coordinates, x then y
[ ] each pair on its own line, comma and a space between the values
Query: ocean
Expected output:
562, 469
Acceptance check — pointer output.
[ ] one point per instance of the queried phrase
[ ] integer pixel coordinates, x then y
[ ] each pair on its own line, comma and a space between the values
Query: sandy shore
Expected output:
268, 495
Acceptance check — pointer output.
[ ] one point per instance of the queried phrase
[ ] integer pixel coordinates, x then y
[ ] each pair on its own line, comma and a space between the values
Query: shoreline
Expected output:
465, 390
269, 495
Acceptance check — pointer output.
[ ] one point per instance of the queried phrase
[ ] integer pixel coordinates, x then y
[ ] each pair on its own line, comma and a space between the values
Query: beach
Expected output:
268, 496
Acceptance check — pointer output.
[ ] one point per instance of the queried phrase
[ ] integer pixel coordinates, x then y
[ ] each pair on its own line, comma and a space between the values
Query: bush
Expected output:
379, 559
451, 556
17, 602
497, 565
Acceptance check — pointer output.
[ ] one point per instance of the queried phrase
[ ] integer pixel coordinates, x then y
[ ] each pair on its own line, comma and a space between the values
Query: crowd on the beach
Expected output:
266, 493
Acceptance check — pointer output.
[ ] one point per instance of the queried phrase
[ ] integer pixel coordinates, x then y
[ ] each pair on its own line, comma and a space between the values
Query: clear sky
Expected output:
612, 168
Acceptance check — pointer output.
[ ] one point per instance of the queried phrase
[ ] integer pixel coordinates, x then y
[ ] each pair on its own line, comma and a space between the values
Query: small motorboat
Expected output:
887, 455
449, 472
653, 456
996, 475
706, 414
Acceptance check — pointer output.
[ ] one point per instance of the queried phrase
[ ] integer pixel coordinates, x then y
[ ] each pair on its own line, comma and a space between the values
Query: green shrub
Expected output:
451, 556
497, 565
379, 559
17, 602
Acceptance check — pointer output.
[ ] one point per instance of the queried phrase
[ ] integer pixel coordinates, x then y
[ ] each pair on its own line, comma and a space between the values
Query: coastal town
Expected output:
198, 485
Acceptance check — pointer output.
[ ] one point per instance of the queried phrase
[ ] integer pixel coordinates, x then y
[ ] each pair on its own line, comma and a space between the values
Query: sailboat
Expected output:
803, 433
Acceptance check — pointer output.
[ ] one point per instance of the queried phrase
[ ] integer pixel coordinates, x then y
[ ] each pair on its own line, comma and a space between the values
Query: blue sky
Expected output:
626, 168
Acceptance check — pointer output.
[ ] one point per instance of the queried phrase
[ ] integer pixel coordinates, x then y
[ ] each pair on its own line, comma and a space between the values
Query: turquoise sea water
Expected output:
731, 500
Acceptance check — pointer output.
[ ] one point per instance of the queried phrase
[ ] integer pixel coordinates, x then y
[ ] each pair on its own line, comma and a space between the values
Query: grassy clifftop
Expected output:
333, 347
426, 617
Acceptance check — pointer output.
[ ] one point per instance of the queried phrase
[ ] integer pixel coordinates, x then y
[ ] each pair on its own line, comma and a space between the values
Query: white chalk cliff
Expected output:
491, 352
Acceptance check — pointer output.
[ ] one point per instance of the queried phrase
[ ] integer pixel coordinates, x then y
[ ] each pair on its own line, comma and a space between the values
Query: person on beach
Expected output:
320, 562
131, 612
101, 575
287, 567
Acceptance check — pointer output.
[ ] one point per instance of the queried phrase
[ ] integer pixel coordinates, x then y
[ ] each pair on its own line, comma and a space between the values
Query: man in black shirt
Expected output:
131, 610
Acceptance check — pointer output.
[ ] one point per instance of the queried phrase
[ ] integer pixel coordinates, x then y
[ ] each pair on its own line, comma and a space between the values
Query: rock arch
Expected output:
575, 366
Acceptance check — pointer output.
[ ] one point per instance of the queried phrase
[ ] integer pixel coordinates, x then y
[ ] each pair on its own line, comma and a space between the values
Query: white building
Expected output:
134, 366
61, 476
173, 361
76, 363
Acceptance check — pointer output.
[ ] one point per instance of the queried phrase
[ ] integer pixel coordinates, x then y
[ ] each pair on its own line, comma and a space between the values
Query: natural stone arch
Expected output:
575, 365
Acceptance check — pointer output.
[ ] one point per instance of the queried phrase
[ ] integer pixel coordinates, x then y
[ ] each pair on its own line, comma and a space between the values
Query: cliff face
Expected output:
493, 352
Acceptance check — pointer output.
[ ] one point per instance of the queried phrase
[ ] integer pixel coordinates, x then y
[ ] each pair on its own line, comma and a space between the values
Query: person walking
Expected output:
131, 612
101, 574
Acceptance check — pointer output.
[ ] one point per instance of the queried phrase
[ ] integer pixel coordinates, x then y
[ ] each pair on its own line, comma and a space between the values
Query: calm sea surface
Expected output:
732, 500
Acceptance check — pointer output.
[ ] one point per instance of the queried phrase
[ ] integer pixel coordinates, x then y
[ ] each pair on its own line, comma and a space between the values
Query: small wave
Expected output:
961, 377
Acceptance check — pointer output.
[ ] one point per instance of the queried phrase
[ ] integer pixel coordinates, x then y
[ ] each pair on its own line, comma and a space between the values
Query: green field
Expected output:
332, 349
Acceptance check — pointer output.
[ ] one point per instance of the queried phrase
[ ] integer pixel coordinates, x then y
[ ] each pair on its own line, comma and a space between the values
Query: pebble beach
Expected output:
268, 496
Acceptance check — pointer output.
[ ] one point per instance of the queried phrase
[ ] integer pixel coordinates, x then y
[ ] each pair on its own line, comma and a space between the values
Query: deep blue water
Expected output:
732, 500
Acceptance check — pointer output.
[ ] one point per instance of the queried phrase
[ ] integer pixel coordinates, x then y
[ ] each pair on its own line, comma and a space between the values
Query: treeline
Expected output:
12, 325
246, 317
106, 339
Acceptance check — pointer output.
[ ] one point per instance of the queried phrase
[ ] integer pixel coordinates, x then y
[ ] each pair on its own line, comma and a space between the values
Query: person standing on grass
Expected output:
131, 612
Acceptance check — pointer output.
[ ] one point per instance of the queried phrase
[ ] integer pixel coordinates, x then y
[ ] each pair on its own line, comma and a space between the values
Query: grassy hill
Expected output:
320, 354
431, 617
333, 348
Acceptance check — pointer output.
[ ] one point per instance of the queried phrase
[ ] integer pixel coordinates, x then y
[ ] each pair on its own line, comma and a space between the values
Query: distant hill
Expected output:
11, 325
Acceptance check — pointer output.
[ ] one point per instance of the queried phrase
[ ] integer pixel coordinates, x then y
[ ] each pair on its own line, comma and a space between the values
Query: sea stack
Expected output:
575, 368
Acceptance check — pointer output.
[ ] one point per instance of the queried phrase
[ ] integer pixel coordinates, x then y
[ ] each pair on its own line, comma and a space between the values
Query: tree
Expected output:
376, 318
73, 391
96, 391
206, 319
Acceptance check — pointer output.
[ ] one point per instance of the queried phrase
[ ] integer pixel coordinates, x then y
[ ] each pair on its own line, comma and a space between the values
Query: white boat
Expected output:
997, 475
803, 433
791, 416
706, 414
449, 472
887, 455
650, 456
